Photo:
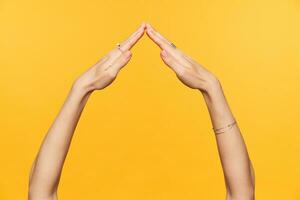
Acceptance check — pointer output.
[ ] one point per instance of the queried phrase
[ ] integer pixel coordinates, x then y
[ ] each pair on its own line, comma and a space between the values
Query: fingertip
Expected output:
148, 26
143, 25
142, 29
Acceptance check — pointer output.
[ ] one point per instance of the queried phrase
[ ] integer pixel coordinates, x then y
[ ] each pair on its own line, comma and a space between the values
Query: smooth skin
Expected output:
237, 167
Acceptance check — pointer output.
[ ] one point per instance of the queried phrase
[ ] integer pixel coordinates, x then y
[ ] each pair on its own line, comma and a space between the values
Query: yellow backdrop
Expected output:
148, 136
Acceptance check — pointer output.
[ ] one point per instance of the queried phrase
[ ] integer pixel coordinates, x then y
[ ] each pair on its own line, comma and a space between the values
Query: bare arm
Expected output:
47, 167
237, 168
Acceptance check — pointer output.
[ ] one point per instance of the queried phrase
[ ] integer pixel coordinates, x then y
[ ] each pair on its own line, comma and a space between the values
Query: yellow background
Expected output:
148, 136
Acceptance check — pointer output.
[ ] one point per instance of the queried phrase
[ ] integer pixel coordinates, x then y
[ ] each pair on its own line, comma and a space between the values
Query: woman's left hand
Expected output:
189, 72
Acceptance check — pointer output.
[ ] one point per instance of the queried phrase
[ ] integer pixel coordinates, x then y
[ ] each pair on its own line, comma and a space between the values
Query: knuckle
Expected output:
123, 59
126, 54
181, 72
110, 74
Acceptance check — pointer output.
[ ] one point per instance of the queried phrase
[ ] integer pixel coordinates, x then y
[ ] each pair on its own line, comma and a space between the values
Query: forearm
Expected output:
48, 165
50, 159
232, 149
236, 164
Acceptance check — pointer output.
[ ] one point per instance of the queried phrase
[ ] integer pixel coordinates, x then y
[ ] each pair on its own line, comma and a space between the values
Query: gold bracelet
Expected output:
225, 128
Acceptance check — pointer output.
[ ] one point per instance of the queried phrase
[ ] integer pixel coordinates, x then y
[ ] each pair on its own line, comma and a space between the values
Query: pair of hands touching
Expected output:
104, 72
236, 164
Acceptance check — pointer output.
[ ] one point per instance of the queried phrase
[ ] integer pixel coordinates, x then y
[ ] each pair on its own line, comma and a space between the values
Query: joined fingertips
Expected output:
148, 26
143, 26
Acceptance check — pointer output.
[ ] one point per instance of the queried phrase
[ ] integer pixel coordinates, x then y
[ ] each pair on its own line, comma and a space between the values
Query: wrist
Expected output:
213, 88
214, 96
80, 90
217, 104
82, 85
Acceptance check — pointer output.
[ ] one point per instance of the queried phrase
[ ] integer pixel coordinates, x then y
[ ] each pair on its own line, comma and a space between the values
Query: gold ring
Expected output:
119, 47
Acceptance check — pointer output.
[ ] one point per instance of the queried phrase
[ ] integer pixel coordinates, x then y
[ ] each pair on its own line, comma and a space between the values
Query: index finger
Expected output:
133, 38
160, 40
163, 43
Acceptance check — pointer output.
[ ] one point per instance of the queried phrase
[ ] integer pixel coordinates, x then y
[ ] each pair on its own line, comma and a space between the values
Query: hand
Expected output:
104, 72
187, 70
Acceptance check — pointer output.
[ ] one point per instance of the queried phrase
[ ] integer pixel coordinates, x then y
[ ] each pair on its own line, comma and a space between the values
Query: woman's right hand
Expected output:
104, 72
